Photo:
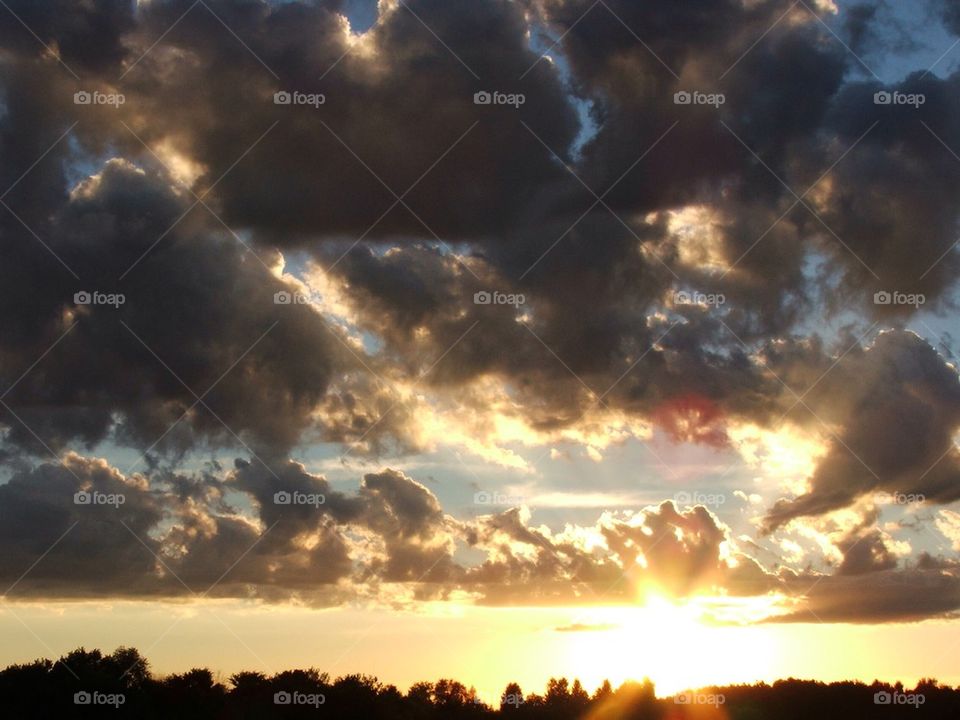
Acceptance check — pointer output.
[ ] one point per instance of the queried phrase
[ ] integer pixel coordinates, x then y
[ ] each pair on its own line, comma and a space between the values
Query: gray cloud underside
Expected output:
220, 534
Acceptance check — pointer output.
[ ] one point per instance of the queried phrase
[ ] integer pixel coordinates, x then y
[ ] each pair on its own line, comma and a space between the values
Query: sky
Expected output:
501, 340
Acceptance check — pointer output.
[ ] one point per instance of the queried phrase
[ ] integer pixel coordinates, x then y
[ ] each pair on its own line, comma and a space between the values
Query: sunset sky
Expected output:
493, 339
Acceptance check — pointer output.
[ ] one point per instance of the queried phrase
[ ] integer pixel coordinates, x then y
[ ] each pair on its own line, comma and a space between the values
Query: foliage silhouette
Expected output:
120, 685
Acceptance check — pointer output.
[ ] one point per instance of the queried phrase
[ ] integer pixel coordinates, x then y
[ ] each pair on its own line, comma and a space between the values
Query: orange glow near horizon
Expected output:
672, 643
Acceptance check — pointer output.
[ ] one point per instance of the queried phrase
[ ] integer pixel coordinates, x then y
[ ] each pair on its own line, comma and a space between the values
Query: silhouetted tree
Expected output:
195, 692
421, 694
579, 699
46, 689
248, 683
512, 697
603, 692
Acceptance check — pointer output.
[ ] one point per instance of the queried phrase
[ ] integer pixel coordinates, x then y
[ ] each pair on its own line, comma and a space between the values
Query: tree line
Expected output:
120, 685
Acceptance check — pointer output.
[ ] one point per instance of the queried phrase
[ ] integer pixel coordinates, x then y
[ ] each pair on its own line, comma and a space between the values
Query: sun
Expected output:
672, 642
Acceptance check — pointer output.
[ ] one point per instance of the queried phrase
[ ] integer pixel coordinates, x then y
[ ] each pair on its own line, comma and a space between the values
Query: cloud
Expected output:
898, 406
950, 12
901, 595
334, 169
948, 523
68, 29
498, 212
197, 340
581, 627
593, 202
97, 557
190, 536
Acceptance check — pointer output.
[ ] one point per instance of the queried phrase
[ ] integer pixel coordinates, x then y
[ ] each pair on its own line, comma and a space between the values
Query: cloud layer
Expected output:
392, 257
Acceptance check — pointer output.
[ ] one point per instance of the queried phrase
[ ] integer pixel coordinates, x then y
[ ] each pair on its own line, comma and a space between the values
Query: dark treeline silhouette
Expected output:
120, 685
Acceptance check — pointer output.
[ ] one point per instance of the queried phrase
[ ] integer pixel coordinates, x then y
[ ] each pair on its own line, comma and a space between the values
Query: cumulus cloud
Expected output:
593, 202
483, 216
898, 406
227, 533
926, 590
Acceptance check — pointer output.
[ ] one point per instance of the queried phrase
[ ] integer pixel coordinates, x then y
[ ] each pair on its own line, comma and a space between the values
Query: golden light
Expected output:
675, 643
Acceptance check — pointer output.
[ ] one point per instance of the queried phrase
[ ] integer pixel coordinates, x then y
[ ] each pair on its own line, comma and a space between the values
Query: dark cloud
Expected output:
416, 534
797, 199
892, 595
94, 556
859, 26
198, 321
950, 12
898, 404
170, 536
897, 179
501, 197
87, 36
190, 535
395, 105
875, 30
